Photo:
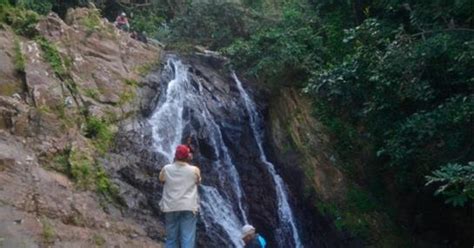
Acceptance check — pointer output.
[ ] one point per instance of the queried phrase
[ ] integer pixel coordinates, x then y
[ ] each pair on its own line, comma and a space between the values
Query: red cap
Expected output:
182, 152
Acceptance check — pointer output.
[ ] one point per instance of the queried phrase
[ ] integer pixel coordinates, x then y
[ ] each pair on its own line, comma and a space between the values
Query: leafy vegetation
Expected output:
405, 86
92, 20
86, 172
457, 183
392, 80
98, 130
106, 188
41, 7
99, 241
22, 21
48, 232
19, 58
52, 56
358, 213
211, 25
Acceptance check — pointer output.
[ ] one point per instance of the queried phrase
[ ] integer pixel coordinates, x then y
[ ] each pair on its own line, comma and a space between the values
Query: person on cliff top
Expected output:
251, 238
180, 200
121, 22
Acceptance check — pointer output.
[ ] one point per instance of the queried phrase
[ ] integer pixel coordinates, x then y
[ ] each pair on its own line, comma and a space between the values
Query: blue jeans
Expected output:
180, 229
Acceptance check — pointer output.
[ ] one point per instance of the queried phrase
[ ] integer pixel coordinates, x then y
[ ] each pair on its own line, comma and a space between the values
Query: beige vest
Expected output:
180, 191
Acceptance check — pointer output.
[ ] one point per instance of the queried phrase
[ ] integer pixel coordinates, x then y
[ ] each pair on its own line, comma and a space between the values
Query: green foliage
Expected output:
355, 215
92, 93
457, 183
92, 20
86, 173
361, 201
60, 162
393, 82
41, 7
21, 20
48, 232
99, 241
4, 3
149, 20
106, 188
411, 95
80, 169
131, 82
213, 25
51, 55
281, 54
19, 58
127, 96
145, 68
98, 130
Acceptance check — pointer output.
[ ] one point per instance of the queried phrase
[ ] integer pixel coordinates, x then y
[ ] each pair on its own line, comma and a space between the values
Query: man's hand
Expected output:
162, 175
198, 175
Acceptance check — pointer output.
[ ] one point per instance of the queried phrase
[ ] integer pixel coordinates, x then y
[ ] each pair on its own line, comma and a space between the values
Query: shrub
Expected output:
283, 54
457, 183
212, 25
42, 7
22, 21
98, 130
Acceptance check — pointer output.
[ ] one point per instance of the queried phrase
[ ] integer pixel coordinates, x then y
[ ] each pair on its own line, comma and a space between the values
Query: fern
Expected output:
457, 183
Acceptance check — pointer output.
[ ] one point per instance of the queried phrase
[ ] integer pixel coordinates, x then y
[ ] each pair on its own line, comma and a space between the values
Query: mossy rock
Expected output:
10, 88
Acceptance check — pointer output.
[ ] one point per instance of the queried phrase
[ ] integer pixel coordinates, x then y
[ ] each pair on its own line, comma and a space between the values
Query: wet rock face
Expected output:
140, 164
301, 148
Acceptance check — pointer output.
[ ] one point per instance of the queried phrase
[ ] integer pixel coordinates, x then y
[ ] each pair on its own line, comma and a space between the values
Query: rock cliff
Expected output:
61, 95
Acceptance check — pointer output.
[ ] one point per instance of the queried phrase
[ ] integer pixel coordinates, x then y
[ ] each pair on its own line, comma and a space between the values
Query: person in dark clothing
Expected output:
251, 238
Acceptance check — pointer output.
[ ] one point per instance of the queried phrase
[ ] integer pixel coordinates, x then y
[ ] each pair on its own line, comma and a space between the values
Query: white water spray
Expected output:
167, 129
287, 223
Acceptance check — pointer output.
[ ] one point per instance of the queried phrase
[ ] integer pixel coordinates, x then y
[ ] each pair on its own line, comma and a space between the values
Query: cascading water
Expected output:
185, 105
287, 224
168, 122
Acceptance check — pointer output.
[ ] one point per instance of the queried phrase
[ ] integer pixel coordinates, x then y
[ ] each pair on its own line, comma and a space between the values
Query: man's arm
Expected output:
162, 175
198, 175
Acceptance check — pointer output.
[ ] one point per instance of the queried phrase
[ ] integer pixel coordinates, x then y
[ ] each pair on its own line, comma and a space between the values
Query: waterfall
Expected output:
287, 223
168, 122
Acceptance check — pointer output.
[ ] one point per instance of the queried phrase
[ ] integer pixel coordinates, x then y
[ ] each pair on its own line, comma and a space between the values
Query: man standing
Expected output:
180, 201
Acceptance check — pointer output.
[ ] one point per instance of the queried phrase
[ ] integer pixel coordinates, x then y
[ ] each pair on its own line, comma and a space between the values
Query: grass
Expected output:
92, 20
86, 173
92, 23
60, 162
19, 58
92, 93
144, 69
48, 232
105, 187
131, 82
98, 240
127, 96
98, 130
52, 56
80, 169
